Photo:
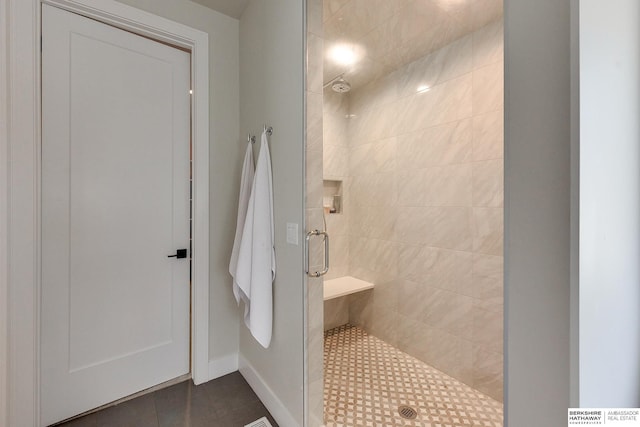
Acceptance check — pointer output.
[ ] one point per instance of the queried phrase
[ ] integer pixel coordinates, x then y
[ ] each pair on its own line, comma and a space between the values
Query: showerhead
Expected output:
338, 84
341, 86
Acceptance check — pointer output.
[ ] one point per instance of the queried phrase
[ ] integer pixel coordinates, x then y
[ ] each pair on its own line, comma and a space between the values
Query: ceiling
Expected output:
387, 34
232, 8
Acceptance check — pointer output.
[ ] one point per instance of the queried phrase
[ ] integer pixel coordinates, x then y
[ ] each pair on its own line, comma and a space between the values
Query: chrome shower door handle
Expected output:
325, 240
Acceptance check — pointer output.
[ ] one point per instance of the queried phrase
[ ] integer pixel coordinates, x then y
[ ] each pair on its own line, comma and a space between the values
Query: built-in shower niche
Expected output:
332, 196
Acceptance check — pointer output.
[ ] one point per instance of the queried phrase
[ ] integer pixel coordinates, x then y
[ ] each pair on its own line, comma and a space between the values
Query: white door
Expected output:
115, 205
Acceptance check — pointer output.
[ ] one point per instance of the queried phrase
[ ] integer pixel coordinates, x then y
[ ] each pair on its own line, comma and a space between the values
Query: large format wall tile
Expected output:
411, 261
484, 11
488, 84
448, 185
338, 256
446, 144
314, 169
423, 199
421, 26
364, 15
488, 183
487, 372
488, 288
447, 269
444, 103
314, 62
377, 157
376, 92
488, 45
487, 329
376, 223
378, 122
336, 312
335, 161
452, 61
442, 227
488, 230
384, 324
314, 121
334, 112
330, 7
488, 136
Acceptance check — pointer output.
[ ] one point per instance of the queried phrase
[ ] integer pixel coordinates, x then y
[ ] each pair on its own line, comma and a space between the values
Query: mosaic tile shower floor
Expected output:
366, 380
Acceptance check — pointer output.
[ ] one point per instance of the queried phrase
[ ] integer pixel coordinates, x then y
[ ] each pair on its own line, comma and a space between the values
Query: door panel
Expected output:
115, 204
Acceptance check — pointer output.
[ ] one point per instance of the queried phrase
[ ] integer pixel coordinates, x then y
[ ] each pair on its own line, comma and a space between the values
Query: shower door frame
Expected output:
313, 295
541, 64
313, 185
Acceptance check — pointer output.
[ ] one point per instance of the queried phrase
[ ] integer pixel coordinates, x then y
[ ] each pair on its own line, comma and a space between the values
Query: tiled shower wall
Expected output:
336, 167
423, 206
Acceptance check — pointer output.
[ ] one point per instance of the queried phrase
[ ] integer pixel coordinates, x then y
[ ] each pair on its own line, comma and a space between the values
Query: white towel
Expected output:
256, 259
246, 183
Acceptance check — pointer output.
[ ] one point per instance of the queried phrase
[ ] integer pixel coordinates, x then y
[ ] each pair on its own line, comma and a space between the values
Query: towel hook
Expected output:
251, 138
268, 130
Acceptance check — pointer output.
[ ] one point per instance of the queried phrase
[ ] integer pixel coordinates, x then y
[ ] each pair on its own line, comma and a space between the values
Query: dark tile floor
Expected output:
224, 402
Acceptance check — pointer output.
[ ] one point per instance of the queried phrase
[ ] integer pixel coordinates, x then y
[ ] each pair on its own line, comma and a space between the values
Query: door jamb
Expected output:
4, 210
22, 81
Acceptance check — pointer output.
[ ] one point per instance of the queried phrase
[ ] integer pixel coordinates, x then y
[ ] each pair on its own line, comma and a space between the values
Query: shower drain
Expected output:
407, 412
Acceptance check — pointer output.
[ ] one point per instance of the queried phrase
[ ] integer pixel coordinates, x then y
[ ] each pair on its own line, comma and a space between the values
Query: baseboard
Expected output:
223, 366
279, 412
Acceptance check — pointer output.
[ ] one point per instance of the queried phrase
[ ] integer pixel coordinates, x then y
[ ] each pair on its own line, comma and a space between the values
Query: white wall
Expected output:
20, 145
537, 212
272, 92
224, 167
609, 203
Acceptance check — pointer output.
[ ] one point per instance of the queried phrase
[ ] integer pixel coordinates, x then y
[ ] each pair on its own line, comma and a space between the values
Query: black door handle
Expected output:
180, 253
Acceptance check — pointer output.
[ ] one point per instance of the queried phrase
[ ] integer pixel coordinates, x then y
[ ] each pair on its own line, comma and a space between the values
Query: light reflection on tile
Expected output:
451, 61
393, 33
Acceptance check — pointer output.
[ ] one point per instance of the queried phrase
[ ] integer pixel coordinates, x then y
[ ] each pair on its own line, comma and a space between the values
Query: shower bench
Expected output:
345, 285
